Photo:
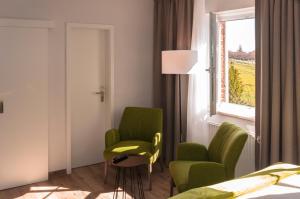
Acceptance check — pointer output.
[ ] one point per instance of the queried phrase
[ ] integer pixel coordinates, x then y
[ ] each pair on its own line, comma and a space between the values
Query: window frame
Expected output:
239, 14
225, 108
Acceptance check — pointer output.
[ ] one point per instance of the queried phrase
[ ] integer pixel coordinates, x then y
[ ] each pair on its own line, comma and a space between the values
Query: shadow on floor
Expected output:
87, 182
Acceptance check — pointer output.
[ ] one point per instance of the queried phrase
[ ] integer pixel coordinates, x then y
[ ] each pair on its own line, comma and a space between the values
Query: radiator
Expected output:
246, 163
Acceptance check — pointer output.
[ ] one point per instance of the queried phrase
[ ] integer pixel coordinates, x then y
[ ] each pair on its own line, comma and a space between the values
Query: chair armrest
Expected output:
156, 143
192, 152
112, 137
206, 173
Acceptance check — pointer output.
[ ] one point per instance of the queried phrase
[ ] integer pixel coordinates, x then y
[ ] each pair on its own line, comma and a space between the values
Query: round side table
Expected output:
131, 164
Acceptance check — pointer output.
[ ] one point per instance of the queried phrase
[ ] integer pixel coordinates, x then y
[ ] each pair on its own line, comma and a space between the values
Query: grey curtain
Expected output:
277, 81
173, 31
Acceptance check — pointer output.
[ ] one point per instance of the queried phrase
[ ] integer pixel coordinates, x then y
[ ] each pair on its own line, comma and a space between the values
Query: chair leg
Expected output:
161, 163
105, 171
149, 176
171, 186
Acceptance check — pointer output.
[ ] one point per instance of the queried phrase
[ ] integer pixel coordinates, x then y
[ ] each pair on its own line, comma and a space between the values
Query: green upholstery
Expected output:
140, 132
112, 137
131, 147
192, 152
197, 166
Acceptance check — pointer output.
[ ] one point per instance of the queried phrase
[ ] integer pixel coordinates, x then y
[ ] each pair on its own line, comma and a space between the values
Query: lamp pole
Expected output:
180, 116
179, 62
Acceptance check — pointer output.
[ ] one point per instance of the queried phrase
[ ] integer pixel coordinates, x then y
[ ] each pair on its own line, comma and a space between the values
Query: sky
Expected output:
240, 32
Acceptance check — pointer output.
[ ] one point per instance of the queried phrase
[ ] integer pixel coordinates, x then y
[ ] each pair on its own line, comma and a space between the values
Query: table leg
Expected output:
132, 184
124, 183
117, 182
135, 175
140, 184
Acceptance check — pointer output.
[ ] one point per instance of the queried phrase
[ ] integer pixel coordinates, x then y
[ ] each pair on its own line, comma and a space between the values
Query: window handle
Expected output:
210, 70
258, 140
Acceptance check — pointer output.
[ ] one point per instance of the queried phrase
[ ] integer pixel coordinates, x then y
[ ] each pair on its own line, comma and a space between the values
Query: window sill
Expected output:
237, 111
245, 124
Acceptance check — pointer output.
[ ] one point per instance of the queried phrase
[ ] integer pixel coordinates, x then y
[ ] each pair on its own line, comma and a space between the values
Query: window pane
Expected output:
240, 39
237, 62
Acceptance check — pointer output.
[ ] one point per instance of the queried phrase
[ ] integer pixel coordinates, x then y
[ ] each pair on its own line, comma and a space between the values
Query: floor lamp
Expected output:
178, 62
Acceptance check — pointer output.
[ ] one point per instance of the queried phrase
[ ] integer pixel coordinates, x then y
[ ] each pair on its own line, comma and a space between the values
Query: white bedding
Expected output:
287, 188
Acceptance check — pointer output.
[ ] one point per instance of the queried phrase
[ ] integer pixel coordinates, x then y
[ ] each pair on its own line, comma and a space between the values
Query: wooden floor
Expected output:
86, 182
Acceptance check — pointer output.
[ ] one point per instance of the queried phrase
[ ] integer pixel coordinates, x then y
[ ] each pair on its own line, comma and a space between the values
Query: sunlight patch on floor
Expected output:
50, 192
111, 195
47, 188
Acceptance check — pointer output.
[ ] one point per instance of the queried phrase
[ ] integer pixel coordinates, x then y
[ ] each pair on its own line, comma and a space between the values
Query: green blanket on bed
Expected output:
240, 186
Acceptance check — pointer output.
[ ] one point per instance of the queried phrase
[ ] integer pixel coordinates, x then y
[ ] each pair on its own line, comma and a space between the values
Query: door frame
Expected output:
109, 81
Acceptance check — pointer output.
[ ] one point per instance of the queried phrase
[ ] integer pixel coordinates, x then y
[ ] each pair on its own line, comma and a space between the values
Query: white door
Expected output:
24, 106
88, 59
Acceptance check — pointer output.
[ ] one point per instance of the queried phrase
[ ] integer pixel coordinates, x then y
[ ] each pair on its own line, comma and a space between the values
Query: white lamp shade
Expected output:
178, 61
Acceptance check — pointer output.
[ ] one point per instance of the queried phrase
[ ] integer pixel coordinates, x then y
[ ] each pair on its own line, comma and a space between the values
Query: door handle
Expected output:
1, 107
101, 93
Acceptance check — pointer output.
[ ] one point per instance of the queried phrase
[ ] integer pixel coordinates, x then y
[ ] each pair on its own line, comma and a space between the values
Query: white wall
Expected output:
133, 21
223, 5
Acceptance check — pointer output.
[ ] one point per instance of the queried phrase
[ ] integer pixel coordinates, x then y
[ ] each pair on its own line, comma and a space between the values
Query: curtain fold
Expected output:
198, 96
277, 81
172, 31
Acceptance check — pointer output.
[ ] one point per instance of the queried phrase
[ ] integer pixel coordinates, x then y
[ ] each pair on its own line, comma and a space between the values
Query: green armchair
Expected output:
197, 166
140, 132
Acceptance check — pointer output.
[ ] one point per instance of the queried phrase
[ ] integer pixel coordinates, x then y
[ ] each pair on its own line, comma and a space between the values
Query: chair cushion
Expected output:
179, 171
132, 147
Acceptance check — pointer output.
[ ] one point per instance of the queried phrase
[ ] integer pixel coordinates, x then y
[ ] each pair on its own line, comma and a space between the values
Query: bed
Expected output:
277, 181
287, 188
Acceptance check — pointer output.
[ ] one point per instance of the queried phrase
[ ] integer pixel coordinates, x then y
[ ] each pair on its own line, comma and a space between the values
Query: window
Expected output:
235, 63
